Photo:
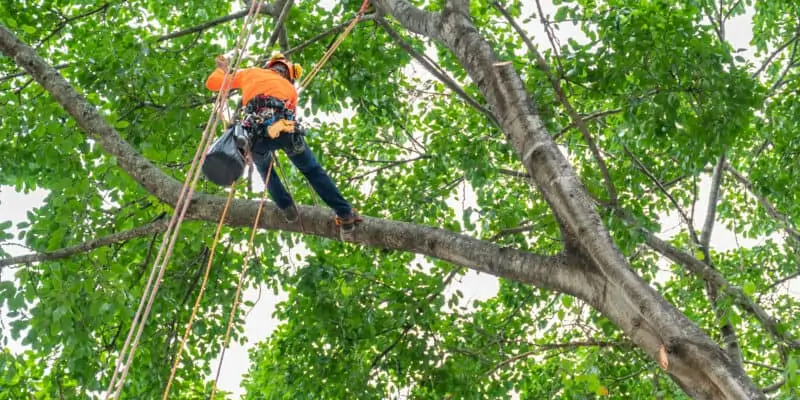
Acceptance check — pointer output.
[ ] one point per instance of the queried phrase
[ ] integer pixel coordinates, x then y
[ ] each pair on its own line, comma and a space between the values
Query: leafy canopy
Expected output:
664, 94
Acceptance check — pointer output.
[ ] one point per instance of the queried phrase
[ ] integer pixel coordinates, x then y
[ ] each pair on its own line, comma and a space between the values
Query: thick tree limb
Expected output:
562, 97
549, 272
696, 363
768, 207
148, 229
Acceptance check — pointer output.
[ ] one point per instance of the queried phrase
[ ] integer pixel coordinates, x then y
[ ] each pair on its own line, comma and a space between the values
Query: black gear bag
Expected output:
224, 162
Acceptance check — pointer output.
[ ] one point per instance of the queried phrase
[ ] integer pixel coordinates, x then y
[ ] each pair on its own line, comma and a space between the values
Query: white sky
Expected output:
260, 324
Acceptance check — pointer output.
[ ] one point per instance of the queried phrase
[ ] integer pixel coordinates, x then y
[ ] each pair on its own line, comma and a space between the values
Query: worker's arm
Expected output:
214, 81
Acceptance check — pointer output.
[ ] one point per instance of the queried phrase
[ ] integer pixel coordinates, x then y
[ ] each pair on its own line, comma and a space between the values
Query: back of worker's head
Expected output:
281, 65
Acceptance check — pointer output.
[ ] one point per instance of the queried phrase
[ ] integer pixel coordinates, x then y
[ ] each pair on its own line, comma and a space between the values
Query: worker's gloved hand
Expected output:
222, 63
280, 126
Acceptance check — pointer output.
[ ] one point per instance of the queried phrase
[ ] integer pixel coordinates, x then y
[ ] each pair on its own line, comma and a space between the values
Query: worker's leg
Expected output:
276, 190
304, 160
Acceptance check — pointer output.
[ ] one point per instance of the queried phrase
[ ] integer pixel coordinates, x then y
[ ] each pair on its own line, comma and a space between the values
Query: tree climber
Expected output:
271, 99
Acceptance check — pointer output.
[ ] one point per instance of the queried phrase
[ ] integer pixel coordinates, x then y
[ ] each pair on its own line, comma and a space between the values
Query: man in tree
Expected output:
271, 99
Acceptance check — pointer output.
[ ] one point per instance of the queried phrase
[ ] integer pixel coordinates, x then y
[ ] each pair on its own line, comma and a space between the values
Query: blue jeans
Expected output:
302, 158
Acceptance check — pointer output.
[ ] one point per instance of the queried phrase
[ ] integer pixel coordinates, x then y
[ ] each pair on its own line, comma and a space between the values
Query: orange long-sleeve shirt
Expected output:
255, 81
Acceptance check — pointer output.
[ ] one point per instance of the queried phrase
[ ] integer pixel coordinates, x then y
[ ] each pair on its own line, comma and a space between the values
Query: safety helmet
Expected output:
295, 71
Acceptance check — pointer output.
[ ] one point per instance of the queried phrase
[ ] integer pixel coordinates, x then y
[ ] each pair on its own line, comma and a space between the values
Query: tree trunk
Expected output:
696, 362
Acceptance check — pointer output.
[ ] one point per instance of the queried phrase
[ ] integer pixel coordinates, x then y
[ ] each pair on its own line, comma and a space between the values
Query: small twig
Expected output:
553, 346
512, 231
665, 192
768, 207
436, 71
587, 117
775, 53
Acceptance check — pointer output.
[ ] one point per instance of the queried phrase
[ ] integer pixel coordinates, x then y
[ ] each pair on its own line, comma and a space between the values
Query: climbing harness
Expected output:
181, 206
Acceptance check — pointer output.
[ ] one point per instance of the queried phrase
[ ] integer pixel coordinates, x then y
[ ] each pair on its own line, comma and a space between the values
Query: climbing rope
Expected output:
165, 251
202, 289
245, 266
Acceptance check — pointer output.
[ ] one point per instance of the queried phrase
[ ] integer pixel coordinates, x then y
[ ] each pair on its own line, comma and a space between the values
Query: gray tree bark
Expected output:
697, 363
592, 268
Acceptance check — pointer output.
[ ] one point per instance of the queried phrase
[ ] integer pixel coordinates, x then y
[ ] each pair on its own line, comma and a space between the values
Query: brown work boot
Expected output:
349, 222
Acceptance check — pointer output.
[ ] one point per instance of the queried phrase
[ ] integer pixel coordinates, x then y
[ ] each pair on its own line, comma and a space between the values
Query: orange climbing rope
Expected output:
165, 251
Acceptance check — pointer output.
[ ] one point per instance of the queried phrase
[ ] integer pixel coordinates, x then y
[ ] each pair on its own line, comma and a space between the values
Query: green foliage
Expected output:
664, 95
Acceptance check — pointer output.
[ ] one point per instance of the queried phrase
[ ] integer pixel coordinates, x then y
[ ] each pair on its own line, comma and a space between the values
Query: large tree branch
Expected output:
147, 229
596, 272
696, 362
549, 272
562, 97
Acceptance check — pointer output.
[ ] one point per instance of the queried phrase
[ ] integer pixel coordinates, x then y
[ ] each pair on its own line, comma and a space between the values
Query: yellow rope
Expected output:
245, 266
202, 289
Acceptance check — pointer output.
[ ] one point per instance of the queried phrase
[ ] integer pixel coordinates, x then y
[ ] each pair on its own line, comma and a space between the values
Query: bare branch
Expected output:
790, 63
206, 25
713, 199
775, 53
587, 117
552, 346
279, 23
148, 229
436, 71
663, 189
774, 387
23, 73
783, 280
576, 118
730, 341
331, 31
768, 207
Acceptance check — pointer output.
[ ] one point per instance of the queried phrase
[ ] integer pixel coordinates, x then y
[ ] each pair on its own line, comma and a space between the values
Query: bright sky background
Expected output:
260, 324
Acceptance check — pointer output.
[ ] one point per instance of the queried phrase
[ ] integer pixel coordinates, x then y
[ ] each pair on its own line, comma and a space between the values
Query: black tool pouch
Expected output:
224, 162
